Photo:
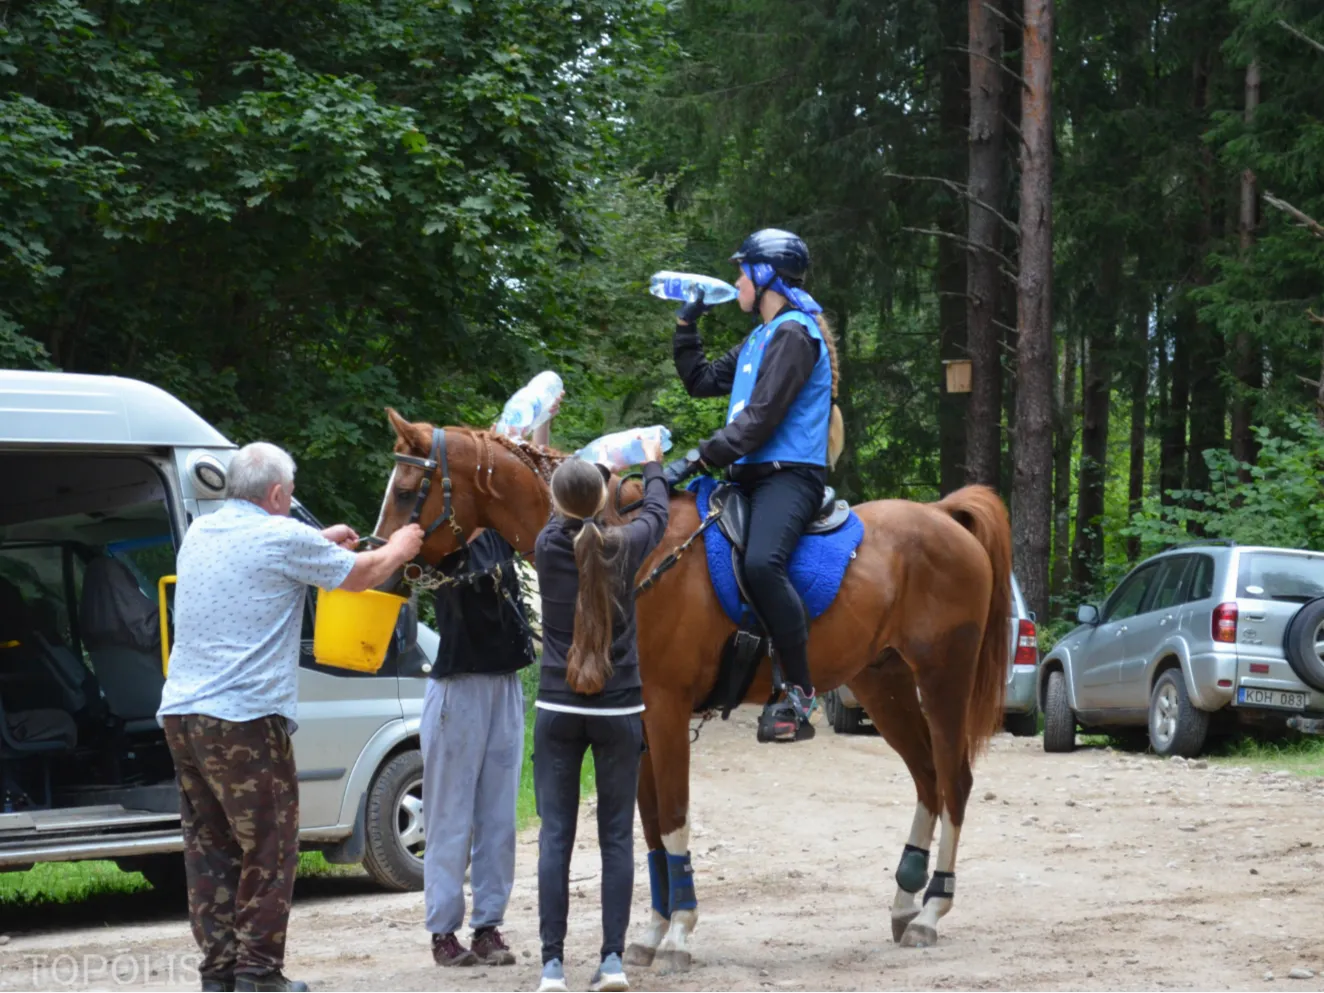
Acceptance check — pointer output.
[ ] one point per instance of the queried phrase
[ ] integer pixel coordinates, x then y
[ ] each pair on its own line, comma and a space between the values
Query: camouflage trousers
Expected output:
239, 802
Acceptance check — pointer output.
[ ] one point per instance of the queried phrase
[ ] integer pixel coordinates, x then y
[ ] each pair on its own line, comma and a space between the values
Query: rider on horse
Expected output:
775, 443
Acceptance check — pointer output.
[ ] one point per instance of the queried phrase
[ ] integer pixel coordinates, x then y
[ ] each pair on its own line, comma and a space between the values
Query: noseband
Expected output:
436, 460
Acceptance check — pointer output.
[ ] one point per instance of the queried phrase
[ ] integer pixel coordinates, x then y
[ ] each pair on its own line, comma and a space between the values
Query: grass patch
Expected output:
1303, 756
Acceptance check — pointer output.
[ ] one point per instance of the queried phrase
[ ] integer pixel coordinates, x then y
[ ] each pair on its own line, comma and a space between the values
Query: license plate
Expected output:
1281, 699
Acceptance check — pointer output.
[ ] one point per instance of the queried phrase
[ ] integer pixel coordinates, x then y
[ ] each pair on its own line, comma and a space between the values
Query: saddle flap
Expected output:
733, 506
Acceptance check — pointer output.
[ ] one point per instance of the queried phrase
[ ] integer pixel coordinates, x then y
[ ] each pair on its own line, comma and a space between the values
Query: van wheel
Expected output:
1176, 726
394, 828
1059, 721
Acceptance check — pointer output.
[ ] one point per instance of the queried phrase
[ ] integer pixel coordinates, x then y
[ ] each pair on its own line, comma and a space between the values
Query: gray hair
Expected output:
255, 468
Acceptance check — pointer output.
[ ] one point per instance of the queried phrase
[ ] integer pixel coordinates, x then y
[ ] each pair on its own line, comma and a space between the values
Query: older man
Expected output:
229, 707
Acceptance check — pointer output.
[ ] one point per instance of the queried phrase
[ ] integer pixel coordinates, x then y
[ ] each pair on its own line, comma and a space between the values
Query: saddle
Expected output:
747, 648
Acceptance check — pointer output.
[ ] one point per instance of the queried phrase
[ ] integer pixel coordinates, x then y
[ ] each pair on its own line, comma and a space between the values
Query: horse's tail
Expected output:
981, 511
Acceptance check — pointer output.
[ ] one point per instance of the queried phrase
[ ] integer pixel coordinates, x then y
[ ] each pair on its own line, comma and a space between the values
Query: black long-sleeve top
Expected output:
787, 364
558, 585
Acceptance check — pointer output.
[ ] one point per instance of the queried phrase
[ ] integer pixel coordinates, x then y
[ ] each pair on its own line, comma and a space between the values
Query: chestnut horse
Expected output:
923, 609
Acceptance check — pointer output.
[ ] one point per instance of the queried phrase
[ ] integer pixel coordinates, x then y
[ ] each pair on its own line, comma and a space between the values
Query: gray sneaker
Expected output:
610, 976
553, 978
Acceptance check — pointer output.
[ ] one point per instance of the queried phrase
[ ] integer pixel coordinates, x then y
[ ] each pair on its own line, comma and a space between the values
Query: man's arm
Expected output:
373, 568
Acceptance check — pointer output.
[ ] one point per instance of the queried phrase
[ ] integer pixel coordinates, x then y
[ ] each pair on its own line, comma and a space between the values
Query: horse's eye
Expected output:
403, 495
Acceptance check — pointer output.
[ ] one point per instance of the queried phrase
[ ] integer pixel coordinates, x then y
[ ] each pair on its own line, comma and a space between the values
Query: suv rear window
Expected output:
1276, 576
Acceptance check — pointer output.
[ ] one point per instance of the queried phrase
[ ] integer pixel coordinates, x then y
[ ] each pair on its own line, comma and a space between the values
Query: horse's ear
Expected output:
413, 435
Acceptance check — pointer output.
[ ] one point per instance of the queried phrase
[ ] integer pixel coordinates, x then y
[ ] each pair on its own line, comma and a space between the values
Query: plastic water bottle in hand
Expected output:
623, 449
531, 406
685, 286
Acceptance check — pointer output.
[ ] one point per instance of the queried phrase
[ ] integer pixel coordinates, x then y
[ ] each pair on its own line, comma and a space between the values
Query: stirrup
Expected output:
780, 722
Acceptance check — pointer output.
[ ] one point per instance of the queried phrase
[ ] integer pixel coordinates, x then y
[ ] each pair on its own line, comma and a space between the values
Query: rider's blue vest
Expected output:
802, 435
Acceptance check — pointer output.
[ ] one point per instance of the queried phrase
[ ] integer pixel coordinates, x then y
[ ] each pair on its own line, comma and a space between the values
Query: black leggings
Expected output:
559, 743
782, 505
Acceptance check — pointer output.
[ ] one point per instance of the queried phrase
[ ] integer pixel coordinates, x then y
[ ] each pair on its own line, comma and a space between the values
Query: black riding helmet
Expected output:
785, 252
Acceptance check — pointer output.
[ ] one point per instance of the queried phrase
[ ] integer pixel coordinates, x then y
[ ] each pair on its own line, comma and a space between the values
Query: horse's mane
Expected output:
541, 461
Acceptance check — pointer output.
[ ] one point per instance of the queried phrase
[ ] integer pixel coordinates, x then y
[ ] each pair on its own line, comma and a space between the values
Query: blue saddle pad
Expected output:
817, 567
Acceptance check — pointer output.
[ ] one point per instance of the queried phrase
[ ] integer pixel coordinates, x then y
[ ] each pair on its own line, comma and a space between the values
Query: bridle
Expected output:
436, 460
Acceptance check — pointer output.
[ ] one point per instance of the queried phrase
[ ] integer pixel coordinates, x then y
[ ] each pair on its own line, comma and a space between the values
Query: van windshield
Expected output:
1281, 576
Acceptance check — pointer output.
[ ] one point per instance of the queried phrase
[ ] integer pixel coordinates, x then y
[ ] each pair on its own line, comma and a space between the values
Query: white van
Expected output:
99, 479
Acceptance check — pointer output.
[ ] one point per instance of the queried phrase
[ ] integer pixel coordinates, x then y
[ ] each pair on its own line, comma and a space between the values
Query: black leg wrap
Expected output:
943, 886
912, 872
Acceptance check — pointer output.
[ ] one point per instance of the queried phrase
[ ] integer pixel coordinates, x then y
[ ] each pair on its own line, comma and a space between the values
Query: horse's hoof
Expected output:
671, 960
919, 936
900, 921
639, 955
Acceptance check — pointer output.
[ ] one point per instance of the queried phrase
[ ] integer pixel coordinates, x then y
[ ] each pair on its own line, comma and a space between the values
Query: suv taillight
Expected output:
1225, 623
1027, 645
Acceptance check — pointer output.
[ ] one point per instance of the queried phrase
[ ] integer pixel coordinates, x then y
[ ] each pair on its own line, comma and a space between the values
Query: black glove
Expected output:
693, 309
680, 469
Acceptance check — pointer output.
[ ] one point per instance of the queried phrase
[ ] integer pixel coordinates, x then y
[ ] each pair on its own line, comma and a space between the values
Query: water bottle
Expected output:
684, 286
622, 449
531, 406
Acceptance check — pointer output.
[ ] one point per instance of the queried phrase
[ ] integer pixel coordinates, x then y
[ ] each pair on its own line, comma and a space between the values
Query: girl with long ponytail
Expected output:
590, 696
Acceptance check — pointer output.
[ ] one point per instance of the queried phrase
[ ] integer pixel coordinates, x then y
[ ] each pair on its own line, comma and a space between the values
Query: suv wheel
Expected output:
1059, 721
844, 720
1176, 726
394, 855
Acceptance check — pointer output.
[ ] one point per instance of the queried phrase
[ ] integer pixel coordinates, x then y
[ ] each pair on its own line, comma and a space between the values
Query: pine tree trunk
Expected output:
1172, 451
1032, 494
1063, 442
954, 111
983, 281
1248, 360
1139, 410
1096, 400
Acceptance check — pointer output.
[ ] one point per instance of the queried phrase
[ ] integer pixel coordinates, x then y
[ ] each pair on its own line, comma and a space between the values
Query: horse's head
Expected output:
420, 491
453, 481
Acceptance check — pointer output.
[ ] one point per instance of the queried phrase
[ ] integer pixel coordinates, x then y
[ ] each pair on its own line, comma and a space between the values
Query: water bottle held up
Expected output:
622, 449
531, 406
684, 286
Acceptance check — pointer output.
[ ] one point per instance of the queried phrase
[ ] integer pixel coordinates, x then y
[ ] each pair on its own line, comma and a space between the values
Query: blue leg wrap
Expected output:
681, 874
657, 882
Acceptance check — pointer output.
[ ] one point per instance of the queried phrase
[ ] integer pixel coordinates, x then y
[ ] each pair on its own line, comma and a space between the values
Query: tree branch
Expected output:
1314, 317
988, 58
1306, 220
961, 190
964, 241
1302, 35
992, 8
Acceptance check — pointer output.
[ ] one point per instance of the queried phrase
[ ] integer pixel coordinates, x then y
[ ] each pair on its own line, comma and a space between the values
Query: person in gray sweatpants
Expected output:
473, 746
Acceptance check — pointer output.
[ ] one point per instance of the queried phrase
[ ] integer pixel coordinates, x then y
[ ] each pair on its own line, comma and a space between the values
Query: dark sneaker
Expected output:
269, 982
491, 948
447, 950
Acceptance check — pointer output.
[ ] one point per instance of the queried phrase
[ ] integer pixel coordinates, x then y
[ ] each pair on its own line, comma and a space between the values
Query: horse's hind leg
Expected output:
642, 952
887, 692
946, 678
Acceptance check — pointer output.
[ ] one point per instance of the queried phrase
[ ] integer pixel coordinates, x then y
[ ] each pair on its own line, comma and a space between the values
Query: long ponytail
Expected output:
579, 491
837, 426
588, 663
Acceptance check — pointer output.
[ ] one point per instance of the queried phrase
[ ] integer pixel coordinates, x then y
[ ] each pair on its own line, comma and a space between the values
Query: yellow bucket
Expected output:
354, 630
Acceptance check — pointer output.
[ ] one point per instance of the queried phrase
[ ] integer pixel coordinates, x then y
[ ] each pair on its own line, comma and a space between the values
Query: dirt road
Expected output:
1095, 870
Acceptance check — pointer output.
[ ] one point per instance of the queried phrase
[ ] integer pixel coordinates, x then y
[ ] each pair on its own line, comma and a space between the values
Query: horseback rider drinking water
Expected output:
781, 434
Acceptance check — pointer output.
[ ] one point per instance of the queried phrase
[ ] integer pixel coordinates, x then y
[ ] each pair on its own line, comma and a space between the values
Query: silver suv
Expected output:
1021, 710
1205, 633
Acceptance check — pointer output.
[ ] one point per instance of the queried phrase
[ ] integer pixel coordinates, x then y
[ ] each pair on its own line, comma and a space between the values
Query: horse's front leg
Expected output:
669, 750
643, 951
